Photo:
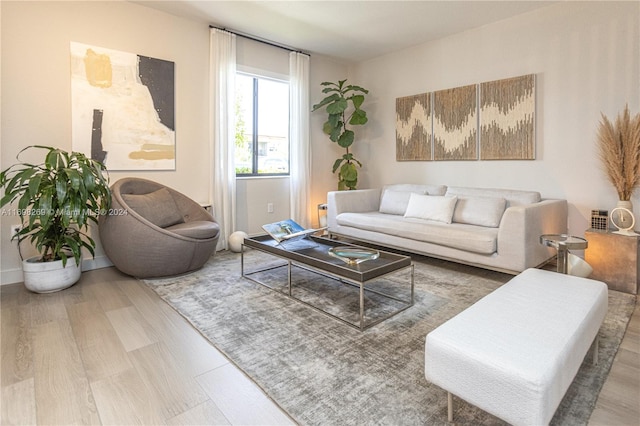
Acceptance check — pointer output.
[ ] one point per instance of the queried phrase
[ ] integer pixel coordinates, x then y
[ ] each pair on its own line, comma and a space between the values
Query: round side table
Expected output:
563, 243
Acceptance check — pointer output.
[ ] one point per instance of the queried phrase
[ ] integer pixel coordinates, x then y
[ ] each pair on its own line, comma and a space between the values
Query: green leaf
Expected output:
338, 106
358, 118
334, 119
34, 185
328, 128
336, 133
336, 164
74, 178
357, 89
357, 101
352, 184
326, 101
346, 139
61, 190
349, 175
45, 207
53, 159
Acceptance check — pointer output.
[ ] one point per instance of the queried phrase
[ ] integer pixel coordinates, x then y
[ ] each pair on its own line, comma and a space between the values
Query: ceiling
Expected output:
350, 31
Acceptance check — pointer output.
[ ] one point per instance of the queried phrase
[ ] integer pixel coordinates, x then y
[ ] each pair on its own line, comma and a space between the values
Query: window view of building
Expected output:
262, 126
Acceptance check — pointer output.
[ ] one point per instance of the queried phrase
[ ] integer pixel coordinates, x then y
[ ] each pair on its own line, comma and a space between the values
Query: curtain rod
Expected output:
260, 40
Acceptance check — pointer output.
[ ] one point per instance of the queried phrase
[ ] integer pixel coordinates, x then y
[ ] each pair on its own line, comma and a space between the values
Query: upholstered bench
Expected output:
515, 352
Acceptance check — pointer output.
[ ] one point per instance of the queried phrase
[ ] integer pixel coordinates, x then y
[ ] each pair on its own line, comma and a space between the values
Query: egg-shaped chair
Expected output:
152, 230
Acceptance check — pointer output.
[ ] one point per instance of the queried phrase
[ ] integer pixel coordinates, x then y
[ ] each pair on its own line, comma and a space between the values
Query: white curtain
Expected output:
222, 131
300, 170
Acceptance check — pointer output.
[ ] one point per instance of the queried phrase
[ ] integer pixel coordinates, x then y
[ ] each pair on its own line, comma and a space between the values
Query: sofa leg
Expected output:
449, 407
596, 347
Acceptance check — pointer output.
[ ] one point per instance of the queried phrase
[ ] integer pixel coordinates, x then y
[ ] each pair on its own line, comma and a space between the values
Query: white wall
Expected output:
586, 58
36, 94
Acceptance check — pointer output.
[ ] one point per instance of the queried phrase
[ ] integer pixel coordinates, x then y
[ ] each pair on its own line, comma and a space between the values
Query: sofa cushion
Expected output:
418, 189
513, 197
481, 211
431, 207
199, 229
477, 239
157, 207
394, 202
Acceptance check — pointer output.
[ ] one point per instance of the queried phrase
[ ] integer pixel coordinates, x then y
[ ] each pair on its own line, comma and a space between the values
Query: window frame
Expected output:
256, 76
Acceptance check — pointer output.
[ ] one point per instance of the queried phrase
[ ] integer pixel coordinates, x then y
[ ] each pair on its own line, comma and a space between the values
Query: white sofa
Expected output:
496, 229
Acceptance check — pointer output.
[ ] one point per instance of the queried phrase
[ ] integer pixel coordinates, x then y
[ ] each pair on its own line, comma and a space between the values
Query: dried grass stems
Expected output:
619, 145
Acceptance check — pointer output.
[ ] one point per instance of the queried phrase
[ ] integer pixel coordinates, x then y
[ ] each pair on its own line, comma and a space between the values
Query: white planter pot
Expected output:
47, 277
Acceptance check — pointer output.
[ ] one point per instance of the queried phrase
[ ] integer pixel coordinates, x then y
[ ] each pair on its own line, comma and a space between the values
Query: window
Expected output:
262, 126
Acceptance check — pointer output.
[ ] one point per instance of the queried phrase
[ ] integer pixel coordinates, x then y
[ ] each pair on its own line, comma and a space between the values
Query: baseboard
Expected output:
12, 276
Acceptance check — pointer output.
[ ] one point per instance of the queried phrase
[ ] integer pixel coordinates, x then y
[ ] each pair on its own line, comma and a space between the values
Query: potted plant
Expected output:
56, 201
619, 149
343, 105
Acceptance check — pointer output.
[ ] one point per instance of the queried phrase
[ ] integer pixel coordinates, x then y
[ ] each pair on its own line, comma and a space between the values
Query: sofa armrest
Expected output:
359, 200
521, 227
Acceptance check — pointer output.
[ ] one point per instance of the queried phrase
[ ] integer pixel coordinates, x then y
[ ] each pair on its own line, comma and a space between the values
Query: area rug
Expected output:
323, 372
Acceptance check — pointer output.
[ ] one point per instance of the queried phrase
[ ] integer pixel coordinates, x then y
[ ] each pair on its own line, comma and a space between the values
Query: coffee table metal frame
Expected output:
317, 260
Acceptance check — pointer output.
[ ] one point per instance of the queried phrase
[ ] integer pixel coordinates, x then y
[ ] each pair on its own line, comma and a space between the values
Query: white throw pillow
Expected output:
481, 211
394, 202
431, 207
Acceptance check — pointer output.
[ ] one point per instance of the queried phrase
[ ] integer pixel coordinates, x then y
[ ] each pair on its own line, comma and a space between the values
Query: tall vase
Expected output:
626, 204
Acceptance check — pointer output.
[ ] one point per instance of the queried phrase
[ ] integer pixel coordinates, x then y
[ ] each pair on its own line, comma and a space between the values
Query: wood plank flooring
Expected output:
109, 351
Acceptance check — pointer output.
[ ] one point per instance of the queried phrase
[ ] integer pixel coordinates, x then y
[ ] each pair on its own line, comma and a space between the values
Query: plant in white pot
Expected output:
56, 201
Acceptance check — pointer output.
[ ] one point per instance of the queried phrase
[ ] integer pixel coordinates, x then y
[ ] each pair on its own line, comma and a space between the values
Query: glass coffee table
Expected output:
312, 254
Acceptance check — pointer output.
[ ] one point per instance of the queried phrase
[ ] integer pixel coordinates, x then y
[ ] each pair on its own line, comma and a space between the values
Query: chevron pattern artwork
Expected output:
507, 110
455, 124
488, 121
413, 128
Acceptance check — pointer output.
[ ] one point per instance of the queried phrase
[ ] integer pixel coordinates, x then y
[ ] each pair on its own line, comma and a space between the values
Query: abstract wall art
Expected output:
455, 124
507, 119
123, 108
414, 128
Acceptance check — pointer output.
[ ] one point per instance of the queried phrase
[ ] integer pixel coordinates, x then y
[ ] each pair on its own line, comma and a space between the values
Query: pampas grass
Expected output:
619, 145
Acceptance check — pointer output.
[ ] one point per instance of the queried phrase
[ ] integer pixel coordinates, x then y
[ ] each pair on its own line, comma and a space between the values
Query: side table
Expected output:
615, 259
563, 243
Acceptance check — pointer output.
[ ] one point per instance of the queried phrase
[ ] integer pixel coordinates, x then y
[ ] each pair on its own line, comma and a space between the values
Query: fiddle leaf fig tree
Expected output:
343, 105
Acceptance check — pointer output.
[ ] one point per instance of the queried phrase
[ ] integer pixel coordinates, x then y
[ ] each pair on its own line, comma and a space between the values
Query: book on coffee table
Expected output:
288, 230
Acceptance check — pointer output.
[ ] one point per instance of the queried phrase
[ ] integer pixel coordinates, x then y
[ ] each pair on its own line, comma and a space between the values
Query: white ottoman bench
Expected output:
515, 352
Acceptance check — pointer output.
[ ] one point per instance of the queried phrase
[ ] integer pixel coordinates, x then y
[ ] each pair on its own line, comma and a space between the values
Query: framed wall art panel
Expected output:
507, 119
414, 128
123, 108
455, 123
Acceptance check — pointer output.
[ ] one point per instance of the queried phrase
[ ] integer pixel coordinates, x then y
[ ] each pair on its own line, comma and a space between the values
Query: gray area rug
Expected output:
323, 372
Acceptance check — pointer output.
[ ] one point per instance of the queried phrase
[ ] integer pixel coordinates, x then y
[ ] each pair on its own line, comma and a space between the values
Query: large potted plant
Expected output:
343, 105
56, 201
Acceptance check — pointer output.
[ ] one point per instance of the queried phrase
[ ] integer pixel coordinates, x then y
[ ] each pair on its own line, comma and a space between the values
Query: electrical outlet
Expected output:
15, 229
269, 207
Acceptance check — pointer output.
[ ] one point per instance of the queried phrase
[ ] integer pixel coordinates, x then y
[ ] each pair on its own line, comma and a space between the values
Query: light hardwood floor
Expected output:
109, 351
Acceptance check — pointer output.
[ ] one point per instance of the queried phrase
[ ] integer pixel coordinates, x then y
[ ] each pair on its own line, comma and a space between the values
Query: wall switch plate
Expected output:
15, 229
269, 207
